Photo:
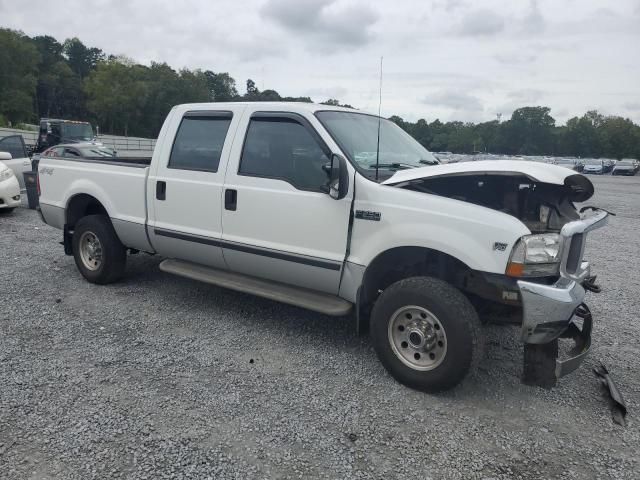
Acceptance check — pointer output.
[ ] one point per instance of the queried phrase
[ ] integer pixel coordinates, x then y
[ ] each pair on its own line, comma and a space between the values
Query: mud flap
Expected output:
539, 368
67, 239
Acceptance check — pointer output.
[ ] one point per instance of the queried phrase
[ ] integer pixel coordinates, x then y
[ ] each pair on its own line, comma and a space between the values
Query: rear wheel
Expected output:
426, 333
97, 250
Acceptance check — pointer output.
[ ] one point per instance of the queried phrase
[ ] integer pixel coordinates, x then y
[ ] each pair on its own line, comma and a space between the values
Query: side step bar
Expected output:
300, 297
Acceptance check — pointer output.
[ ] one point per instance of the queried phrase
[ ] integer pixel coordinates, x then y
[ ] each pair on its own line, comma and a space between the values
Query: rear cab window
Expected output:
199, 141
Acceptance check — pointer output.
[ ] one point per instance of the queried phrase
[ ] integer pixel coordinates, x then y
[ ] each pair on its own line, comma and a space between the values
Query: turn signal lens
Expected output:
515, 269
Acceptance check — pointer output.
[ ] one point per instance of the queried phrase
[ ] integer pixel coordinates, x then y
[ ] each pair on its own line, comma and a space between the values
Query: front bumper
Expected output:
547, 310
10, 193
550, 311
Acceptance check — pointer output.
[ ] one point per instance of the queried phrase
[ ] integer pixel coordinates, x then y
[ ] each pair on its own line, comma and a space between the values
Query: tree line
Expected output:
45, 78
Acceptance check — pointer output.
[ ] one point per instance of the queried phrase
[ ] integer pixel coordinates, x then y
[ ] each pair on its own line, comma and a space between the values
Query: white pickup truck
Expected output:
338, 211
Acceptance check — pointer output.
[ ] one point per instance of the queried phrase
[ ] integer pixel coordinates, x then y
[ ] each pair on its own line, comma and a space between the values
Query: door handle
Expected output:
230, 199
161, 190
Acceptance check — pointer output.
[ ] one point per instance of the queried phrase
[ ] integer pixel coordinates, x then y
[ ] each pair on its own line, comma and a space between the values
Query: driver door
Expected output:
278, 221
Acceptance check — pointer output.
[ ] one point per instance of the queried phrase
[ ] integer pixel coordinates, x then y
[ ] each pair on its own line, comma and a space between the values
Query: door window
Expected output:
285, 149
14, 145
70, 152
199, 141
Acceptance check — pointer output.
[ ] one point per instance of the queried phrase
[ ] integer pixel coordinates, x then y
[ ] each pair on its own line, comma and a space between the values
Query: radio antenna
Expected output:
379, 121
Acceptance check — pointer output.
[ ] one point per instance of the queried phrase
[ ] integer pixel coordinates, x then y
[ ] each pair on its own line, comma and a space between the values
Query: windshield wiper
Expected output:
428, 162
395, 165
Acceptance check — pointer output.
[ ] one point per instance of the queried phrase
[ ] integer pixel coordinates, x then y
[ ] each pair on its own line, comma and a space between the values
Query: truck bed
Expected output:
118, 184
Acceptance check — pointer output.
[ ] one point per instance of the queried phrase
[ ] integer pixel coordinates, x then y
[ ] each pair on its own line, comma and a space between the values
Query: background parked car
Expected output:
89, 150
19, 161
626, 166
569, 163
607, 165
593, 165
9, 187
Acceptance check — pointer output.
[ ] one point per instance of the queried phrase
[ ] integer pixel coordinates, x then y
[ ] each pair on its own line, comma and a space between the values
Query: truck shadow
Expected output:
333, 336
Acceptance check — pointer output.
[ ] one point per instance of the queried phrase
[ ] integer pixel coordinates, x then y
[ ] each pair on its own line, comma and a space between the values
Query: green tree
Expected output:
531, 131
222, 87
116, 95
82, 60
19, 60
252, 90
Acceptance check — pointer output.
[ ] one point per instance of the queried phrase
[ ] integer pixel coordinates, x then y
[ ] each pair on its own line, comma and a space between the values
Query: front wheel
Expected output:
97, 250
426, 333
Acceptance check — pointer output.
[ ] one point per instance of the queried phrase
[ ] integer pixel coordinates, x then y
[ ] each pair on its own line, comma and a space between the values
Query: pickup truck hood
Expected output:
539, 194
540, 172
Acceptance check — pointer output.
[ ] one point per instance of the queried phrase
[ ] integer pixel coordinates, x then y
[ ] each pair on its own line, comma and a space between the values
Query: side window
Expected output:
56, 132
70, 152
14, 146
199, 141
282, 148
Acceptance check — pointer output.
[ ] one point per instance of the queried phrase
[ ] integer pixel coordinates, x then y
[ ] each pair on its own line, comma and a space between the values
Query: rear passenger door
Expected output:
184, 221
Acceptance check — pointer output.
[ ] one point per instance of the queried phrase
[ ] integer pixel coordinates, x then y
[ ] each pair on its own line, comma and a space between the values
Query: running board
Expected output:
300, 297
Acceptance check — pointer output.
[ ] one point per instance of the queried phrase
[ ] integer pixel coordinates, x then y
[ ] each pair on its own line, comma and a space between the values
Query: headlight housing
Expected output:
6, 174
535, 255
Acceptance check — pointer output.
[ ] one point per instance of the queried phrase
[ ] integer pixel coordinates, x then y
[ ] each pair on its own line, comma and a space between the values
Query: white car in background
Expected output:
9, 187
19, 160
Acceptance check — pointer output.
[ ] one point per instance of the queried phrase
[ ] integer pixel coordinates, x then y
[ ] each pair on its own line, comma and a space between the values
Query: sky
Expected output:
449, 59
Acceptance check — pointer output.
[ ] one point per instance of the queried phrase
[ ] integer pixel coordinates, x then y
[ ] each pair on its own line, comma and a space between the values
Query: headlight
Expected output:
535, 256
6, 174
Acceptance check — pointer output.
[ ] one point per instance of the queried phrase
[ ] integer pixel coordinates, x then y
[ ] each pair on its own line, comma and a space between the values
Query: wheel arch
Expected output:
80, 205
398, 263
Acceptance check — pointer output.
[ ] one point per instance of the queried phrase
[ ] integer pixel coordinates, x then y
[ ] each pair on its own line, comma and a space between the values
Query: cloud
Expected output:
533, 22
324, 93
323, 23
527, 95
481, 22
450, 5
632, 106
515, 58
455, 100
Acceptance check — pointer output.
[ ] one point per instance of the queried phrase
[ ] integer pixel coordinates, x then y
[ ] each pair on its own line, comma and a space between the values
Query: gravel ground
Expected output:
162, 377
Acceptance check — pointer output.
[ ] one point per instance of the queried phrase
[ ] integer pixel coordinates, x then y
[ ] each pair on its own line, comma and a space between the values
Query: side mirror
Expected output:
338, 177
5, 156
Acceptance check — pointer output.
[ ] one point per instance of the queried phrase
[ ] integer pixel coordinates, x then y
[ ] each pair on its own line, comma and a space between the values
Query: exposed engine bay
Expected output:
542, 207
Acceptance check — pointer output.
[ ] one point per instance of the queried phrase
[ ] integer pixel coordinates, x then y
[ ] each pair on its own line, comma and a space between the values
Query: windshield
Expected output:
593, 161
357, 136
627, 163
80, 131
97, 151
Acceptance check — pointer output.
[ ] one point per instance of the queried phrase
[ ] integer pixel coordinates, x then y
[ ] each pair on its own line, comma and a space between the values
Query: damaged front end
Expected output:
541, 206
546, 278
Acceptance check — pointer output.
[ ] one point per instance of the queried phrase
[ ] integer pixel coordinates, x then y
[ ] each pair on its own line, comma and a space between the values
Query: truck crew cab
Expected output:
342, 212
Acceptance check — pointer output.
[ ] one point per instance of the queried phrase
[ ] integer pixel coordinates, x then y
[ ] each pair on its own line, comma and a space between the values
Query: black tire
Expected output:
114, 254
458, 319
6, 210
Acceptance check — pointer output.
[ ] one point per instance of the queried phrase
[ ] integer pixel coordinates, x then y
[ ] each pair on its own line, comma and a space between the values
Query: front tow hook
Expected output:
590, 285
